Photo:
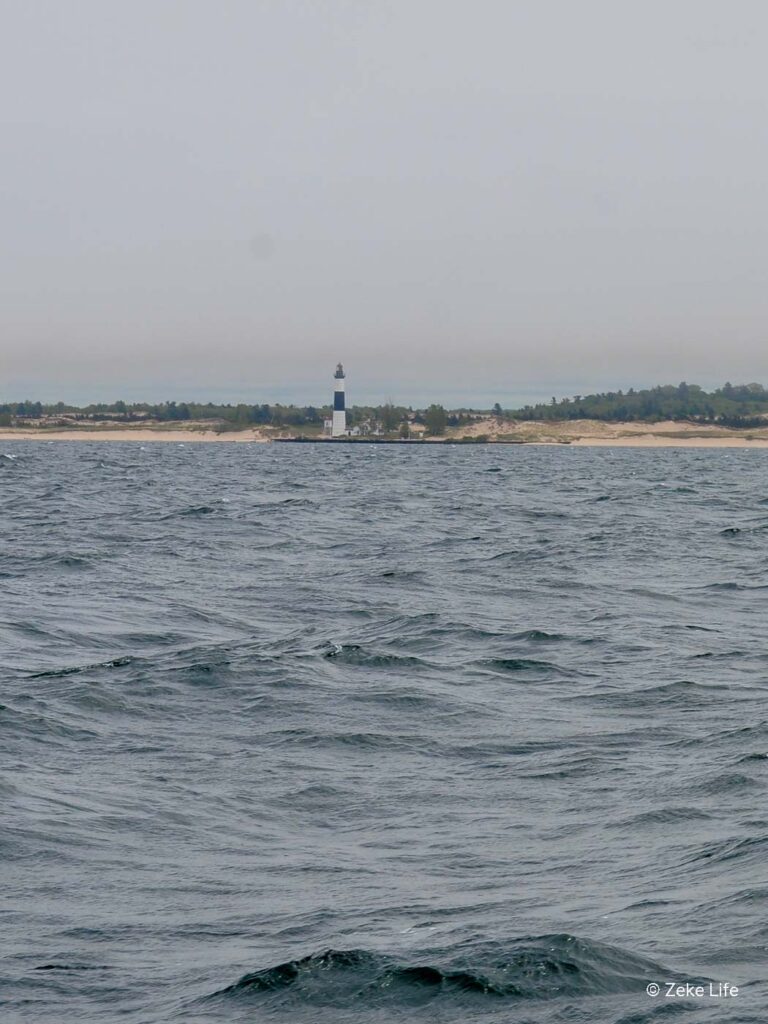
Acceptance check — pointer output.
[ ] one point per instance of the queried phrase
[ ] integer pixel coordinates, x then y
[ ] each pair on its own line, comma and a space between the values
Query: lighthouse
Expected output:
339, 426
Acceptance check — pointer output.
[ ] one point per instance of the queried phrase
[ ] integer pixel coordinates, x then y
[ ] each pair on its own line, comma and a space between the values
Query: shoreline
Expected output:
180, 435
582, 434
659, 441
637, 441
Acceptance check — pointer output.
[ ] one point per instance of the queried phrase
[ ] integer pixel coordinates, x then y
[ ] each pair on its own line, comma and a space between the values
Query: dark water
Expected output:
307, 734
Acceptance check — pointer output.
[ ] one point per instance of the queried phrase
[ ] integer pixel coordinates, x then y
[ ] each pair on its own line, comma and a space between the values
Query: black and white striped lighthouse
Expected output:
339, 427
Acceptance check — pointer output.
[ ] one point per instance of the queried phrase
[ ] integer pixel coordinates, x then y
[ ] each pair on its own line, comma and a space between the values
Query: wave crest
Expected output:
540, 967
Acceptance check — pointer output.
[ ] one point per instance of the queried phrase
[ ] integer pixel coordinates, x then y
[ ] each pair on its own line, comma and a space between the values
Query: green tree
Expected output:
436, 419
389, 417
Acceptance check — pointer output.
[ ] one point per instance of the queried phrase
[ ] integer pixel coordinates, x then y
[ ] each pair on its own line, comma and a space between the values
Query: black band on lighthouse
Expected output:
338, 401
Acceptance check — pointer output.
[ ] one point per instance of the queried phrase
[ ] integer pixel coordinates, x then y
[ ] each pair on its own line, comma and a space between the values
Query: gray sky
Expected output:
495, 199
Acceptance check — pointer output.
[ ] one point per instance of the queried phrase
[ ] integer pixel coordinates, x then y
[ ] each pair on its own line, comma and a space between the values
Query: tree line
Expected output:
389, 418
740, 405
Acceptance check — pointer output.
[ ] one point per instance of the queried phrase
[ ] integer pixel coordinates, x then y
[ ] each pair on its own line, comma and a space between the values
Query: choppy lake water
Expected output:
358, 734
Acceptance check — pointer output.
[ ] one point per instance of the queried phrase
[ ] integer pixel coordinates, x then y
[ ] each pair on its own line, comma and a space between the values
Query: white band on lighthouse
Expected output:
339, 427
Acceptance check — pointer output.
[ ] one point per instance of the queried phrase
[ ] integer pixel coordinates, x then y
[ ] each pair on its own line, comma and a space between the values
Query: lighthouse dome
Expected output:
339, 371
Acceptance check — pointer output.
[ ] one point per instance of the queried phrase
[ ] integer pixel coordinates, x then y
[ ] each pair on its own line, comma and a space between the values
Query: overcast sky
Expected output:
471, 201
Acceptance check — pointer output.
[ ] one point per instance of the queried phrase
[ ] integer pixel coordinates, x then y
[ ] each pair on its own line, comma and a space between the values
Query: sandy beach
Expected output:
181, 435
660, 441
581, 433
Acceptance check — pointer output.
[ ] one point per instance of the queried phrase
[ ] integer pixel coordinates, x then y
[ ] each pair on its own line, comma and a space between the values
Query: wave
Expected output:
739, 899
71, 967
58, 673
663, 816
751, 847
363, 740
531, 968
356, 654
736, 531
191, 510
681, 691
727, 782
516, 665
743, 734
17, 565
539, 636
48, 727
730, 585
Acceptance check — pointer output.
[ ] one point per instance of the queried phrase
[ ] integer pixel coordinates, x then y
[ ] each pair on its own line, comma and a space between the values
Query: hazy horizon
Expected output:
466, 204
